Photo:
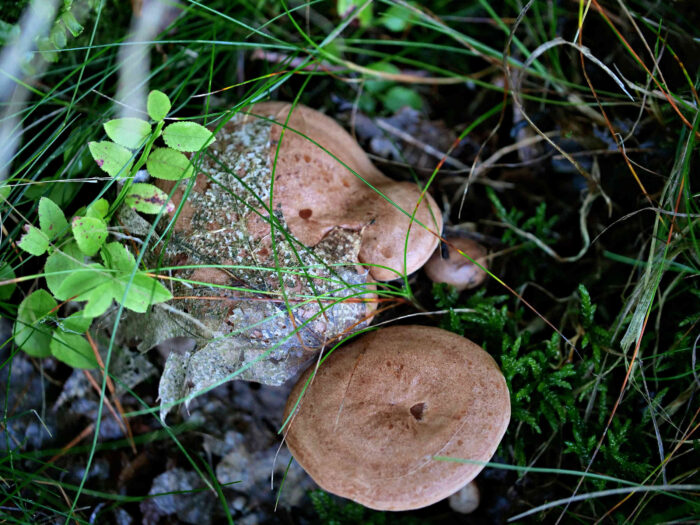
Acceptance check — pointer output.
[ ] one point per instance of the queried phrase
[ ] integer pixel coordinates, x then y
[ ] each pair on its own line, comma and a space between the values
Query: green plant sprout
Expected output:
71, 271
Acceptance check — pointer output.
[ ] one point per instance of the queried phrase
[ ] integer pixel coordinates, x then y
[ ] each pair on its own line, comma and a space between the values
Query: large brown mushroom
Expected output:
379, 410
324, 180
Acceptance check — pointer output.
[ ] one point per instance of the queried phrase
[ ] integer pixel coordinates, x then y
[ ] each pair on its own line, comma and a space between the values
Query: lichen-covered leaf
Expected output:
146, 198
158, 105
73, 349
51, 219
168, 164
131, 133
90, 233
116, 160
31, 331
34, 241
187, 136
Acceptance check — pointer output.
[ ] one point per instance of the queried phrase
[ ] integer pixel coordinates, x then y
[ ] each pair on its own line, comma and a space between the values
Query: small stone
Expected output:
239, 503
193, 507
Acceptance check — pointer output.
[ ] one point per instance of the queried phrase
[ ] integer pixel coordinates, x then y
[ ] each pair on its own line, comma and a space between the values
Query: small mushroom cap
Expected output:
380, 408
465, 500
324, 180
456, 269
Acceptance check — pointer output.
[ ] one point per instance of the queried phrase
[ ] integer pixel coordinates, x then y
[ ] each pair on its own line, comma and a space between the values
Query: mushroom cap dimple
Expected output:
456, 269
380, 408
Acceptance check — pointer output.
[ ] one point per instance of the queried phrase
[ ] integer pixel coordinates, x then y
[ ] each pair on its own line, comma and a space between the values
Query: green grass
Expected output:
604, 397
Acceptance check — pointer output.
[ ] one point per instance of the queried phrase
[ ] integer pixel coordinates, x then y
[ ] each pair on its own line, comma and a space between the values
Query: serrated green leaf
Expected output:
143, 292
51, 219
34, 241
90, 234
168, 164
6, 274
117, 257
96, 285
116, 160
71, 23
158, 105
146, 198
32, 333
131, 133
98, 209
187, 136
73, 349
59, 265
77, 322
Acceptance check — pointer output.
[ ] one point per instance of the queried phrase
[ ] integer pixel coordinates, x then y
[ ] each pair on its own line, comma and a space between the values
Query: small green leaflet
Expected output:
111, 157
34, 241
76, 322
396, 18
31, 332
142, 292
168, 164
187, 136
344, 7
59, 265
98, 209
5, 190
99, 285
146, 198
377, 84
72, 349
71, 23
90, 234
51, 219
158, 105
117, 257
6, 274
399, 96
131, 133
58, 36
94, 284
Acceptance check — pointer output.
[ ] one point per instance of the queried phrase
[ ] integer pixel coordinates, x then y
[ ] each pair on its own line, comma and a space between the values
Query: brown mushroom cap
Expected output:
456, 269
380, 408
319, 172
